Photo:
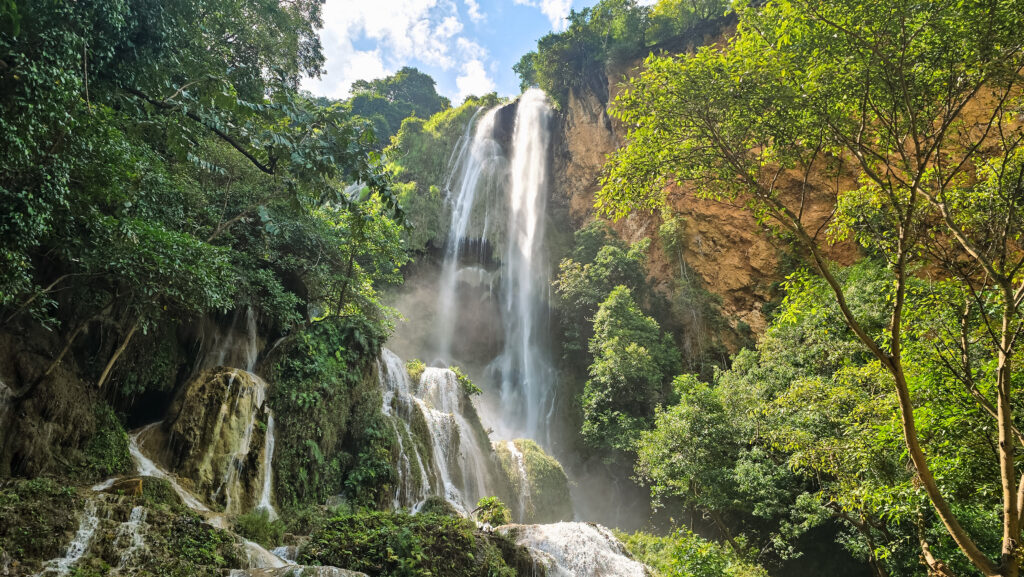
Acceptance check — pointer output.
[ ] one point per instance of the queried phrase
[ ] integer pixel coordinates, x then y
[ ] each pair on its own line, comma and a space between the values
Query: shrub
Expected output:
492, 511
467, 385
415, 369
386, 544
257, 526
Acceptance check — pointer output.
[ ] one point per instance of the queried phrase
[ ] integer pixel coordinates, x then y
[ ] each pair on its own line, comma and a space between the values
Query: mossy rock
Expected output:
151, 491
37, 520
547, 492
382, 544
438, 506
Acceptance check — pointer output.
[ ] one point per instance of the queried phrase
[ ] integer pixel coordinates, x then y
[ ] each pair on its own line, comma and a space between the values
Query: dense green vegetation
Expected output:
610, 32
388, 101
684, 554
171, 159
906, 418
398, 544
37, 514
418, 162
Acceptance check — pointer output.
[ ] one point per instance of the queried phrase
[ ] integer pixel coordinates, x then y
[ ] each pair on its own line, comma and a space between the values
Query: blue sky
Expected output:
468, 46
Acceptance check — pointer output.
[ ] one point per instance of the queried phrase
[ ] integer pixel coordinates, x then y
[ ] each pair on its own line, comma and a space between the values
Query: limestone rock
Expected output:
537, 479
213, 438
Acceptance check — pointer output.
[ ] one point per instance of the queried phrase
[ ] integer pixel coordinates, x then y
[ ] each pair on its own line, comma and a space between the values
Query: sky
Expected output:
467, 46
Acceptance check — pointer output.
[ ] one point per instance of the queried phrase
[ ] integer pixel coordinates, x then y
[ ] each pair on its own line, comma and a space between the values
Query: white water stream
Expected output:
87, 524
577, 550
458, 460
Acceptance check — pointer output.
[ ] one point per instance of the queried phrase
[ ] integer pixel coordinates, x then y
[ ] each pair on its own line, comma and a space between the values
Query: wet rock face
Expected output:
722, 243
213, 437
50, 424
538, 481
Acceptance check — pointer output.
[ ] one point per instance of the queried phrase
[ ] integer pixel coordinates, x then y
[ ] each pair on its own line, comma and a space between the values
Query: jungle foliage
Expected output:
906, 117
388, 101
398, 544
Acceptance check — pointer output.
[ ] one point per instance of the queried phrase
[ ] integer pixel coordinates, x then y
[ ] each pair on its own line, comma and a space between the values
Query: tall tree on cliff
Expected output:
909, 114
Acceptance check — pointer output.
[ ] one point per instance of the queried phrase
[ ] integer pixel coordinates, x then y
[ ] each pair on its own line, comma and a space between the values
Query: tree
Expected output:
390, 100
632, 361
582, 286
144, 141
904, 114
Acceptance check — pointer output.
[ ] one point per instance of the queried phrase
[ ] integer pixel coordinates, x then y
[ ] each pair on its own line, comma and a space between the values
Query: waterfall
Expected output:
525, 367
577, 550
479, 161
413, 485
230, 485
87, 525
484, 174
268, 471
458, 456
129, 535
147, 468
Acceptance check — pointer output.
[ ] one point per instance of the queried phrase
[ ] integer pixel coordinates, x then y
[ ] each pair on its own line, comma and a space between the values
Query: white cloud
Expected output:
474, 80
473, 9
403, 32
557, 11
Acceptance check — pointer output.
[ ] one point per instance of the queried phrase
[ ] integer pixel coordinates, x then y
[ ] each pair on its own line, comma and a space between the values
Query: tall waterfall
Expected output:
524, 366
497, 192
516, 179
478, 162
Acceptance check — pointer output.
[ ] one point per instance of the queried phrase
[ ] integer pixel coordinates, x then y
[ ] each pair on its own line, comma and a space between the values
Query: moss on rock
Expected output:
384, 544
37, 518
546, 494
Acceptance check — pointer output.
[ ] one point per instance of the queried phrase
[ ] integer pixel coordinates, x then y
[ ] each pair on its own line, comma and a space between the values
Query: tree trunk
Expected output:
1009, 563
117, 353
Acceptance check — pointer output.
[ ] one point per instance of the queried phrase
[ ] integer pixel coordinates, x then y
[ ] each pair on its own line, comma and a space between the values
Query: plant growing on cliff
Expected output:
492, 511
415, 368
905, 116
468, 386
633, 361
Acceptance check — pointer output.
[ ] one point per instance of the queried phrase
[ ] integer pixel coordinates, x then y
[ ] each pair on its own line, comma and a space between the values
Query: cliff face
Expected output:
730, 253
723, 244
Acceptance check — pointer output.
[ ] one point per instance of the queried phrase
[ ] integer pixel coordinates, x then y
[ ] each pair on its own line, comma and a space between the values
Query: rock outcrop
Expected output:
722, 244
538, 481
213, 438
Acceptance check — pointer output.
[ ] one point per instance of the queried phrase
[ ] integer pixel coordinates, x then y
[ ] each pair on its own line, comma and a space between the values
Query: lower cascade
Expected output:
576, 550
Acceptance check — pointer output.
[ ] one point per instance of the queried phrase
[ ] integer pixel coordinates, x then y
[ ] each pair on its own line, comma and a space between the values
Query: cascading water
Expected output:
498, 201
524, 366
479, 162
129, 537
497, 193
577, 550
147, 468
268, 471
414, 484
457, 455
87, 525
